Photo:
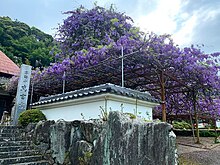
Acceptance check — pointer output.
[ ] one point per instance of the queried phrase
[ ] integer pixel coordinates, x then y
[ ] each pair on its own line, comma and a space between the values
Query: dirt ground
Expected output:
206, 153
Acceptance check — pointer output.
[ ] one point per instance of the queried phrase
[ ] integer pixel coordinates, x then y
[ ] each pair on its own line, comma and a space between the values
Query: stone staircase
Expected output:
15, 149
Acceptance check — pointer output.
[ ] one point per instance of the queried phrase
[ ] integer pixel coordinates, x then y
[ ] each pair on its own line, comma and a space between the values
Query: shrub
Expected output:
181, 125
205, 133
202, 133
30, 116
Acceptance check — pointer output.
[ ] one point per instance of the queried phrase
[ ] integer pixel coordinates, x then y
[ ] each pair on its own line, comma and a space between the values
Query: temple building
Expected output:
7, 69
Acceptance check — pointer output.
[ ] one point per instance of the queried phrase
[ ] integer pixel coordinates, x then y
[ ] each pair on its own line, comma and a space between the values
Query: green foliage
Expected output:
24, 44
104, 114
202, 133
30, 116
85, 159
114, 20
181, 125
131, 115
207, 133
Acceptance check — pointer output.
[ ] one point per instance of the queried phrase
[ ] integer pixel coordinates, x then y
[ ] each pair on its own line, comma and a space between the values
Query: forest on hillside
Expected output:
25, 44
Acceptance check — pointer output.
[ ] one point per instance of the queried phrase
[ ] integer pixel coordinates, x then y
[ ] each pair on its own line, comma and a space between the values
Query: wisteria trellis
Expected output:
91, 42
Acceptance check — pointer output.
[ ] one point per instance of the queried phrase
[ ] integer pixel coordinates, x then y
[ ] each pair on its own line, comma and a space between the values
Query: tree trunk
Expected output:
162, 85
196, 117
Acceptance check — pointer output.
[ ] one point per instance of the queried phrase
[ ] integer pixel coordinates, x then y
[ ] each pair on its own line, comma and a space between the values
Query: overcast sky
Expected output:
188, 21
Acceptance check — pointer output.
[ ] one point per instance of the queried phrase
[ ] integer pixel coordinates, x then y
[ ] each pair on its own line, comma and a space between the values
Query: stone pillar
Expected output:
22, 93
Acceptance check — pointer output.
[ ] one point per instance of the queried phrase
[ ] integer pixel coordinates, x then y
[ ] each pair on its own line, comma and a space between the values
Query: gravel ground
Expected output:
206, 153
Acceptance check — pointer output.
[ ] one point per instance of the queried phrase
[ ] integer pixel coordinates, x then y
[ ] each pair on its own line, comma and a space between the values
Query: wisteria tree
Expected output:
94, 28
185, 79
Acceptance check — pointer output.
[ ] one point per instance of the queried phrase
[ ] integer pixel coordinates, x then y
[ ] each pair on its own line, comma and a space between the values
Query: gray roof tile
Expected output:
96, 90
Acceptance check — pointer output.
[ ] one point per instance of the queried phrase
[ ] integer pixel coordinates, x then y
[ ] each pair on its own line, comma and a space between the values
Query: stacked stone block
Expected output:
17, 149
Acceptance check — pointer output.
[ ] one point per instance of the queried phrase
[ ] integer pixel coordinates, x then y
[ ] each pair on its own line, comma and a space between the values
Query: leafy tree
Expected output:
24, 44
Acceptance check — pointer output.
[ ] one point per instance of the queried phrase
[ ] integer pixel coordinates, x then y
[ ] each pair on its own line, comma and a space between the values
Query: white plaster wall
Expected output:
142, 111
73, 112
91, 107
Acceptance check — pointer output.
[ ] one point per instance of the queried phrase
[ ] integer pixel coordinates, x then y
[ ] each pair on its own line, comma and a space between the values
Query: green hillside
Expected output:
25, 44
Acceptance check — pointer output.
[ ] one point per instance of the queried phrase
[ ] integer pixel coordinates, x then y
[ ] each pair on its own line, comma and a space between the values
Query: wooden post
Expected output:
196, 117
215, 128
32, 92
162, 85
192, 125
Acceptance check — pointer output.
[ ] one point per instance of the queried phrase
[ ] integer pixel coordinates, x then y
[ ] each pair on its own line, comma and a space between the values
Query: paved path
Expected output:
206, 153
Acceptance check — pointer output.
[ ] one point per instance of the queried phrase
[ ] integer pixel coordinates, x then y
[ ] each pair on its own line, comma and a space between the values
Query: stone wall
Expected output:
118, 141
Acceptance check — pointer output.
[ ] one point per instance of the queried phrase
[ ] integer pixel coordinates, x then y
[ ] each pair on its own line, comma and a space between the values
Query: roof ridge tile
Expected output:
98, 89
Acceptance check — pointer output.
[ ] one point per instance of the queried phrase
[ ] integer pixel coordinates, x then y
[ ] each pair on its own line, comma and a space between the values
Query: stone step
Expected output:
11, 130
18, 153
6, 139
43, 162
10, 134
15, 148
14, 143
20, 160
10, 127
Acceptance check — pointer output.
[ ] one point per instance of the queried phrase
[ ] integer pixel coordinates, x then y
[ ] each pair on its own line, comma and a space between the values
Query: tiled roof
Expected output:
96, 90
7, 65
